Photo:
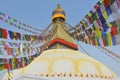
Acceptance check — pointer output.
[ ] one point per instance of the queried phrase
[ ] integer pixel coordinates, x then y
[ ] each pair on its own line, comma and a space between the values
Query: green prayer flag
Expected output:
106, 39
1, 42
2, 66
1, 13
98, 3
119, 29
93, 18
0, 33
26, 37
111, 1
113, 24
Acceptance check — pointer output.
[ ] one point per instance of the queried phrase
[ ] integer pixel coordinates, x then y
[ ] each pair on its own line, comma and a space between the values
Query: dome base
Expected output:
35, 77
64, 64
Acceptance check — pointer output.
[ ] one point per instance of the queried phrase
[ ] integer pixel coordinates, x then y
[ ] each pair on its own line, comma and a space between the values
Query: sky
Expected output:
38, 13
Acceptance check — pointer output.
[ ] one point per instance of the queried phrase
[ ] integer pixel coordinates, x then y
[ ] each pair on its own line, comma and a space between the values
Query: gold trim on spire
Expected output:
58, 13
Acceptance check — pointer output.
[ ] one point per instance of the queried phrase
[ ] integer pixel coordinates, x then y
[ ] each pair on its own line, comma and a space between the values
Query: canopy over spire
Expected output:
58, 13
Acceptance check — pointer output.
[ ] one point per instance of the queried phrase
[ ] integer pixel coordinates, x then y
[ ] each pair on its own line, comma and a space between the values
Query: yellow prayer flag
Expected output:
105, 15
17, 51
89, 14
32, 38
96, 41
109, 39
87, 40
98, 32
13, 62
84, 23
15, 35
2, 66
101, 1
12, 19
109, 25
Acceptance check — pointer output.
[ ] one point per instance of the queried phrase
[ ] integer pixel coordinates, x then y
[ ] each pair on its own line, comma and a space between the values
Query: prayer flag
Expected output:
102, 7
6, 63
0, 32
113, 40
96, 7
119, 29
102, 19
1, 18
98, 12
114, 31
105, 27
11, 35
118, 3
109, 25
101, 42
108, 10
111, 1
105, 15
4, 33
8, 50
107, 3
109, 38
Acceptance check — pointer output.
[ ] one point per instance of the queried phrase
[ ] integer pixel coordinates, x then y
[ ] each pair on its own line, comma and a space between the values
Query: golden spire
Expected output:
61, 38
58, 13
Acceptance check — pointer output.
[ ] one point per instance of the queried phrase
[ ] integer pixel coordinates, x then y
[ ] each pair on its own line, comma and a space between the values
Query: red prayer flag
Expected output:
6, 64
29, 38
92, 41
1, 18
114, 30
104, 42
88, 19
4, 33
4, 15
21, 65
38, 38
8, 50
106, 3
96, 7
16, 62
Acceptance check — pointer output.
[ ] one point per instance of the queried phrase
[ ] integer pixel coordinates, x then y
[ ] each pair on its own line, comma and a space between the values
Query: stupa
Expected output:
61, 60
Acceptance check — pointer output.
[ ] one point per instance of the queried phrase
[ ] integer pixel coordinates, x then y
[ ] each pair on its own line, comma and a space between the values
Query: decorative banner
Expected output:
12, 20
10, 49
101, 12
16, 63
10, 44
17, 36
94, 30
107, 35
18, 26
12, 61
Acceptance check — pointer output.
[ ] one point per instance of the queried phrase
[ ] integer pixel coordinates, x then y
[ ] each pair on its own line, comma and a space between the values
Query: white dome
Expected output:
65, 63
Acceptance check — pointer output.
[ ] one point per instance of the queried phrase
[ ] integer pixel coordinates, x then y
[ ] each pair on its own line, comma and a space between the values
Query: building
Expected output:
61, 60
